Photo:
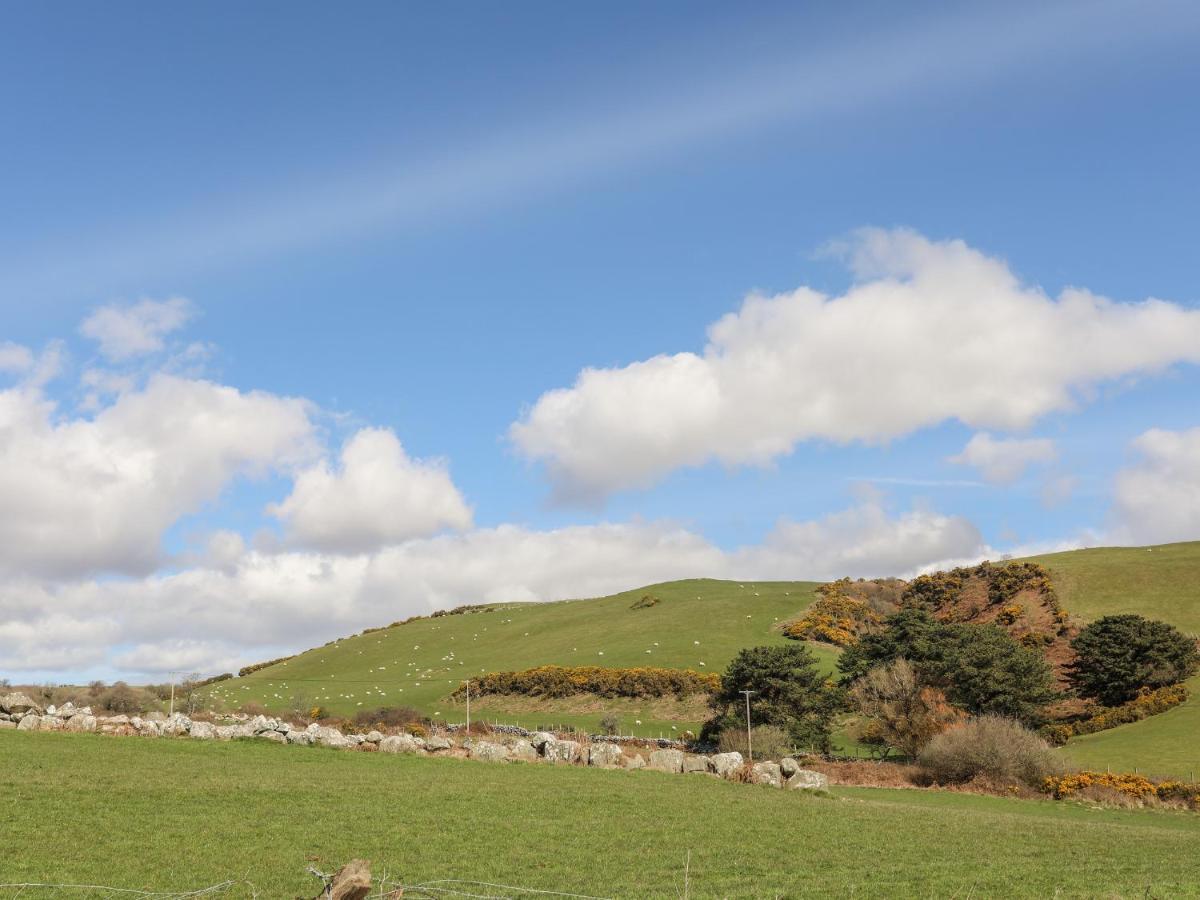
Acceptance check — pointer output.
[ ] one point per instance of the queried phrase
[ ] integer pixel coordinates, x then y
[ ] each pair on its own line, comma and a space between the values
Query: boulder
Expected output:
271, 735
226, 732
203, 731
114, 720
18, 704
634, 761
29, 722
488, 751
401, 743
324, 736
767, 773
303, 738
147, 728
807, 780
51, 723
727, 764
562, 751
540, 738
81, 722
524, 751
788, 767
176, 725
694, 762
667, 760
374, 737
437, 743
604, 755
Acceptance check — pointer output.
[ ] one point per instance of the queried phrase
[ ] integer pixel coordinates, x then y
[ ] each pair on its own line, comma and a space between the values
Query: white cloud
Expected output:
95, 494
376, 496
137, 329
1004, 460
1058, 490
15, 358
931, 331
1158, 498
226, 612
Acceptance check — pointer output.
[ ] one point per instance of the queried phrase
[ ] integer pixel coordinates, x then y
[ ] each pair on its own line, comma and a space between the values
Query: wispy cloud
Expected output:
685, 109
916, 482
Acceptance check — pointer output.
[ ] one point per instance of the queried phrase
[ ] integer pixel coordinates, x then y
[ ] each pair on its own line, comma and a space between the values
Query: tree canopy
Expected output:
1117, 656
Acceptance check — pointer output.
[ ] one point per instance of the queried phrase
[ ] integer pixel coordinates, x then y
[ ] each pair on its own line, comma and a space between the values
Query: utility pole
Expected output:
749, 742
468, 683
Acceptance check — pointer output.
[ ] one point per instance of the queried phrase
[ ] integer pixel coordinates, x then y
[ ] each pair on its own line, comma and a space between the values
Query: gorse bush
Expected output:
567, 681
770, 742
990, 747
1130, 784
1147, 703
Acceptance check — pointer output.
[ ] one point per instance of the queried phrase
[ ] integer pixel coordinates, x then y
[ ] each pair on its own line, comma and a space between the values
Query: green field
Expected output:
176, 814
698, 624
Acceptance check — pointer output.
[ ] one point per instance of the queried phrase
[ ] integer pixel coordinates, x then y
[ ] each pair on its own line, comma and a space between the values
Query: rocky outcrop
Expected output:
604, 756
563, 751
18, 704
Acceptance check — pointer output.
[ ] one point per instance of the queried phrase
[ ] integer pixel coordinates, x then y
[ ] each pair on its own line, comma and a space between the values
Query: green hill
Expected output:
698, 624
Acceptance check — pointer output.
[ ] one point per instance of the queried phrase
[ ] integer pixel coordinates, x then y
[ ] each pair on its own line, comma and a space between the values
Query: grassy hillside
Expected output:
263, 813
1157, 582
698, 624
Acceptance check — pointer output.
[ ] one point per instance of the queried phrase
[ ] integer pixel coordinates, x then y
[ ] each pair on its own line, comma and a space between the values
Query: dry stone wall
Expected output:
19, 712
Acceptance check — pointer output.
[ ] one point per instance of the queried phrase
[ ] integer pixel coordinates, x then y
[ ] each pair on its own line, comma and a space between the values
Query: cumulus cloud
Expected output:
95, 494
1157, 499
227, 611
1004, 460
930, 331
377, 495
127, 331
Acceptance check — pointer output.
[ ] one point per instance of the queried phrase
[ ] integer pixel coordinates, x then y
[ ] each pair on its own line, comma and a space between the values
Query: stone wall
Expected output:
19, 712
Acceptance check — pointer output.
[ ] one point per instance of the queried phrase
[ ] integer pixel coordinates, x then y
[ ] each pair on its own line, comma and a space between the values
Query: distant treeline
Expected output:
566, 681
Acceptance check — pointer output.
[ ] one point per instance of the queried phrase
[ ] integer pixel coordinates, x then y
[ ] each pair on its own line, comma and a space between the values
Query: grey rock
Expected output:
562, 751
29, 722
226, 732
203, 731
400, 743
81, 722
271, 735
727, 764
694, 762
488, 751
788, 767
667, 760
767, 773
807, 780
302, 738
540, 738
634, 761
604, 755
437, 743
324, 736
374, 737
524, 751
18, 704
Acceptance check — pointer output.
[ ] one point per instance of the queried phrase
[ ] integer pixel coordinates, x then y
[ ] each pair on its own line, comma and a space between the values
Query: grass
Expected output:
698, 624
1157, 582
1160, 582
176, 814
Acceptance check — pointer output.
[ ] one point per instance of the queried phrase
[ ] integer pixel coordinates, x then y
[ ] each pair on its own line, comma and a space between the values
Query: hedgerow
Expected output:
246, 670
1147, 703
566, 681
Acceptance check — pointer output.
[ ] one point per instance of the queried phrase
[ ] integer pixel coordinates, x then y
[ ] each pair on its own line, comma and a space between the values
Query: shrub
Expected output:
610, 724
388, 717
251, 708
566, 681
834, 618
1117, 656
769, 742
989, 747
1147, 703
904, 713
788, 691
645, 602
121, 699
1129, 784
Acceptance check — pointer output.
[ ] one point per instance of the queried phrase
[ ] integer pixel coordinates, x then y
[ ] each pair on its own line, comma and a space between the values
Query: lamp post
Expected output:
749, 743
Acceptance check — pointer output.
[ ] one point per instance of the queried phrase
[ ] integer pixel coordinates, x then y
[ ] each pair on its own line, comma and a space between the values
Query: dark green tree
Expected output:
788, 691
1117, 656
980, 668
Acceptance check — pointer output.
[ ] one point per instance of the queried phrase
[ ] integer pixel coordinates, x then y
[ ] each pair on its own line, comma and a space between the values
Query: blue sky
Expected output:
421, 221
